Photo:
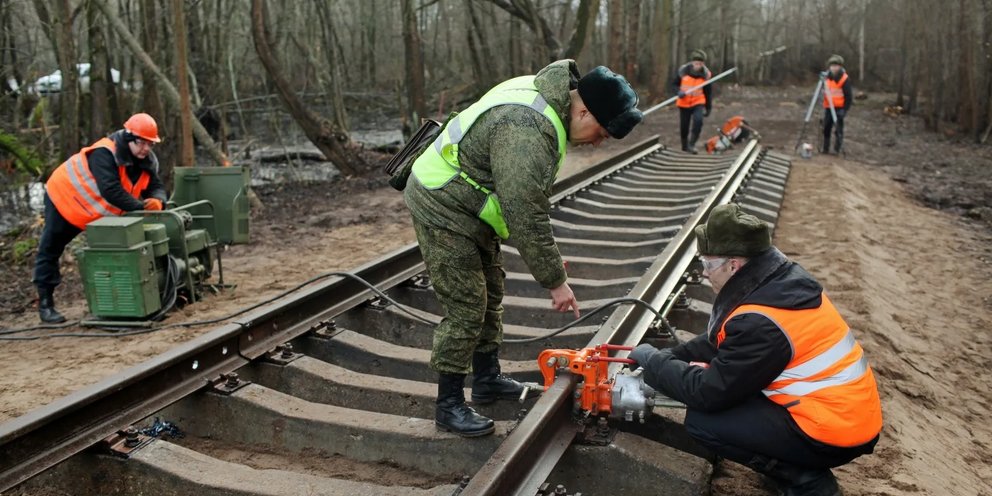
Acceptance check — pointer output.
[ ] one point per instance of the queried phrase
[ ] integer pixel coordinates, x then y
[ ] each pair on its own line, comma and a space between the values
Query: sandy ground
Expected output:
913, 283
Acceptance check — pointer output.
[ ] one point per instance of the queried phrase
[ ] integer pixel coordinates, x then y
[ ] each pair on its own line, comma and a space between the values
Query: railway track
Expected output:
328, 391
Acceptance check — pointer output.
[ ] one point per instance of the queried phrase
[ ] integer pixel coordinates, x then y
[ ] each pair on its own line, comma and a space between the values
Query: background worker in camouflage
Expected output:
512, 151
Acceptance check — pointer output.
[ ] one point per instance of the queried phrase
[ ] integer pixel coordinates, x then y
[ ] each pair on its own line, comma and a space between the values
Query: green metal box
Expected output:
115, 232
120, 282
227, 190
157, 235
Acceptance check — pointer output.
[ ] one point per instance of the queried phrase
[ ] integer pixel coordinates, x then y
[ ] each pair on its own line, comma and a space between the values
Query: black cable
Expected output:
6, 332
611, 303
370, 286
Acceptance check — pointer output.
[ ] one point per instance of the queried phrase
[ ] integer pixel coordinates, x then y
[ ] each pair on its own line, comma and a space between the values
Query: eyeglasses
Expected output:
144, 142
709, 265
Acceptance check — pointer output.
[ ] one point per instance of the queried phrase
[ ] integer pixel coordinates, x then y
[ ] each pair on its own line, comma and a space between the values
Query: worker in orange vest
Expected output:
778, 382
116, 174
693, 104
837, 87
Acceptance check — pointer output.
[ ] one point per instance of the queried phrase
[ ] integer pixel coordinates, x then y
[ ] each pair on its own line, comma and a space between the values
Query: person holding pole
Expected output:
694, 102
836, 97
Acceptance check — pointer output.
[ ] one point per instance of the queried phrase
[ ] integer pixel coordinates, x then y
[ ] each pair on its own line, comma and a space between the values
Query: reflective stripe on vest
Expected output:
835, 91
695, 97
439, 164
827, 386
74, 192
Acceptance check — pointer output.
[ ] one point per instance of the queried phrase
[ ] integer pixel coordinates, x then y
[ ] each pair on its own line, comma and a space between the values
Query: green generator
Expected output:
226, 217
135, 268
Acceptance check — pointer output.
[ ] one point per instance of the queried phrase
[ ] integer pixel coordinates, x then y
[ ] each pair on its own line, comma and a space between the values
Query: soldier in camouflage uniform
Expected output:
512, 151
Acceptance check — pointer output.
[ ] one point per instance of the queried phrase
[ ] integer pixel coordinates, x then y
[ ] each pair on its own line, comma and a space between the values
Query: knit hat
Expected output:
729, 232
835, 59
698, 54
611, 100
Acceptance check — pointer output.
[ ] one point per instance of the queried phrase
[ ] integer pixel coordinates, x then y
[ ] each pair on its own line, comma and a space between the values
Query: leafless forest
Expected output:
216, 71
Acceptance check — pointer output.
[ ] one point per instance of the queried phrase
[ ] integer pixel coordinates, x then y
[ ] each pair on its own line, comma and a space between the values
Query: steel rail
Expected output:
50, 434
525, 459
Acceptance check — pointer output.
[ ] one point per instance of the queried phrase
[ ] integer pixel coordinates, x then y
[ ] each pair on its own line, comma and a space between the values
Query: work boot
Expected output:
692, 144
453, 415
46, 308
839, 145
489, 385
794, 480
826, 145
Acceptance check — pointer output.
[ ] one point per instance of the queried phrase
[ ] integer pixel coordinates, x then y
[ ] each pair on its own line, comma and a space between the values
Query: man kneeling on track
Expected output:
783, 386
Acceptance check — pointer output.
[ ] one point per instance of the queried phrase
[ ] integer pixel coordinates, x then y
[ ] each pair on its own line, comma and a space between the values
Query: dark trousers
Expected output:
828, 125
695, 114
57, 234
761, 429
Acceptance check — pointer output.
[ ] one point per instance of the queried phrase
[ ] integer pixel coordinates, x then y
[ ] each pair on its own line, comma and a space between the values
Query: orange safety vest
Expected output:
835, 91
695, 97
828, 386
73, 190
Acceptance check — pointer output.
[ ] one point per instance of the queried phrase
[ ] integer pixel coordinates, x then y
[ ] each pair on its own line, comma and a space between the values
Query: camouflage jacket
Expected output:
513, 151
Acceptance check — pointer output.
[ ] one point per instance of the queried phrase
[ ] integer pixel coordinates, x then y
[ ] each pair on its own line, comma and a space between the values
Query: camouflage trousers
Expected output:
467, 275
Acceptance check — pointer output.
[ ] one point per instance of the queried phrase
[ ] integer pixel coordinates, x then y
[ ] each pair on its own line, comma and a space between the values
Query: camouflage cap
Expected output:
835, 59
698, 54
729, 232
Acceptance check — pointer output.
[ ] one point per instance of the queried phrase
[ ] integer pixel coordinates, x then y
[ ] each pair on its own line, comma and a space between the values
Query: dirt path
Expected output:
914, 284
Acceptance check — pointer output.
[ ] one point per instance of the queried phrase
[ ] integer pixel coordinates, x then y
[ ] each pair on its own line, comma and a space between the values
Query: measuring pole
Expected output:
694, 88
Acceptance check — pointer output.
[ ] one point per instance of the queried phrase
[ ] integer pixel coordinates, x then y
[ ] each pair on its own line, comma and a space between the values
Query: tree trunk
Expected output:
185, 112
416, 101
584, 18
331, 141
170, 92
59, 29
661, 37
151, 102
340, 115
615, 41
633, 43
99, 76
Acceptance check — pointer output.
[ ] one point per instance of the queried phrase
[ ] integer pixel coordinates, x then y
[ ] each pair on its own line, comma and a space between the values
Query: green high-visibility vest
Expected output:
439, 165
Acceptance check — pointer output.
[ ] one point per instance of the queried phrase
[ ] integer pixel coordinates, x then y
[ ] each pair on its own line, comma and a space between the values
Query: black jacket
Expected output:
687, 69
846, 88
754, 352
103, 166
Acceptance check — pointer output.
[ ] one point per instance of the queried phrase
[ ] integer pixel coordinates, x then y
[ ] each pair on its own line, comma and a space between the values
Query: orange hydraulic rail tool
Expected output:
622, 396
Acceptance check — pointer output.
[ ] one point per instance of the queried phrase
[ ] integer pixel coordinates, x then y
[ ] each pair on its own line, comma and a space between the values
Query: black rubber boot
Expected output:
46, 308
453, 415
826, 145
489, 385
839, 145
692, 144
794, 480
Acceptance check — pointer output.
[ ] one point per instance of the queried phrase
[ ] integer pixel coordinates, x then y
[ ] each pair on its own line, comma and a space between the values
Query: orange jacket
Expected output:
695, 97
74, 192
834, 90
827, 386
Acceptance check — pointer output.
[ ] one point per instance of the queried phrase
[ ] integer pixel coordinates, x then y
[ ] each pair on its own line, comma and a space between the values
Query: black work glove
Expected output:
706, 112
640, 355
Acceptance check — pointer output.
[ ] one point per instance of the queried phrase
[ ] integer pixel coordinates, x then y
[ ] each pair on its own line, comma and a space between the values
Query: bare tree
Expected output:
330, 140
99, 76
169, 90
185, 112
526, 11
59, 29
661, 37
416, 101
